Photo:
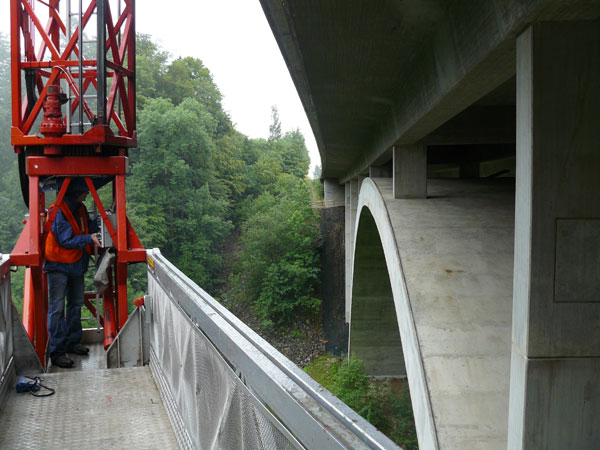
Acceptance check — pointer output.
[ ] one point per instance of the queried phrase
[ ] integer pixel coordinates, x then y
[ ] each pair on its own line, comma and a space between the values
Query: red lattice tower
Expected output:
73, 115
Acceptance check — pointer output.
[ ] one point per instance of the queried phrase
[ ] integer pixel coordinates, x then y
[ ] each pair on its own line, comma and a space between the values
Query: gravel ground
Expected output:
301, 344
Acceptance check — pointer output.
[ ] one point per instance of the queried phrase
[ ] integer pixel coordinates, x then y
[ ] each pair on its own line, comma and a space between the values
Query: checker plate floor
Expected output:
96, 359
91, 409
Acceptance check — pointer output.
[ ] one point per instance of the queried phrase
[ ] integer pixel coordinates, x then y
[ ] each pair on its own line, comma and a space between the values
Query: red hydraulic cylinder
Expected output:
28, 306
40, 313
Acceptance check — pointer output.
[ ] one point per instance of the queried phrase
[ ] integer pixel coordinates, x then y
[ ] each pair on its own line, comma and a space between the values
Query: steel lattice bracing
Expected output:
73, 115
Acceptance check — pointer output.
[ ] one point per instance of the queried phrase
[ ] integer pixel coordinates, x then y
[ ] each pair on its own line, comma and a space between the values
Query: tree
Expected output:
12, 209
6, 155
293, 153
275, 127
182, 78
280, 258
150, 67
172, 206
317, 172
188, 78
263, 175
231, 180
192, 176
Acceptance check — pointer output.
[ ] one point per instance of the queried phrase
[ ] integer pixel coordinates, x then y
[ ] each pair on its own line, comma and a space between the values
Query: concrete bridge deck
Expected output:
449, 270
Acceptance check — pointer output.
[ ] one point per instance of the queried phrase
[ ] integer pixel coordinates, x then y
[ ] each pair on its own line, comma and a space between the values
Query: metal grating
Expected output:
216, 408
177, 422
88, 404
96, 359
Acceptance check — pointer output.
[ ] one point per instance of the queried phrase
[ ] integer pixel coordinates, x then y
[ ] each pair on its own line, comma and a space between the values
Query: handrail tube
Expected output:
359, 427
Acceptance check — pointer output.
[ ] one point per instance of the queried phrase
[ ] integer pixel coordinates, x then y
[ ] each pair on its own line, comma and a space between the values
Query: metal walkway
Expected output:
183, 373
86, 405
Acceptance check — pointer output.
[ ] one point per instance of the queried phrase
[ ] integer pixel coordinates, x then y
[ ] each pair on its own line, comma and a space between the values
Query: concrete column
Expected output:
554, 385
351, 204
333, 192
410, 171
360, 180
380, 171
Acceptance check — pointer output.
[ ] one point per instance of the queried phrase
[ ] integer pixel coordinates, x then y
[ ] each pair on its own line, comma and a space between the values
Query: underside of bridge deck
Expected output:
391, 72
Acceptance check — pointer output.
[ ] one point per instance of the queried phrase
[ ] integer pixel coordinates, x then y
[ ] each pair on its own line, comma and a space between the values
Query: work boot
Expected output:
63, 361
78, 349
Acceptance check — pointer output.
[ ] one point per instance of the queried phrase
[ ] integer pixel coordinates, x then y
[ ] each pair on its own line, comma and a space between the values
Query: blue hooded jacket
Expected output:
64, 234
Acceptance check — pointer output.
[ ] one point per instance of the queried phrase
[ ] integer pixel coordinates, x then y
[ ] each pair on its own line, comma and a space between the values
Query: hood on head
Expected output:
76, 187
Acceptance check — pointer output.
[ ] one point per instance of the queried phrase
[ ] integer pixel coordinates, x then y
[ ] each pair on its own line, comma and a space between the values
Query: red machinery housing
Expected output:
81, 74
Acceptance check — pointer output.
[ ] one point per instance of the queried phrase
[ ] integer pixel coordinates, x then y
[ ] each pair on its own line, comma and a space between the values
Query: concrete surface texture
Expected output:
449, 265
485, 89
351, 201
376, 74
555, 393
332, 279
333, 193
410, 171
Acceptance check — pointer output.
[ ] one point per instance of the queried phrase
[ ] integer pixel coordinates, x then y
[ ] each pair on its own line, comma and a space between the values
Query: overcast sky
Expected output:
235, 42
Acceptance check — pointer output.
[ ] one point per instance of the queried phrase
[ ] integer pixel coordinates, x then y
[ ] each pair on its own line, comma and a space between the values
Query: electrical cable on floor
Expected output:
33, 385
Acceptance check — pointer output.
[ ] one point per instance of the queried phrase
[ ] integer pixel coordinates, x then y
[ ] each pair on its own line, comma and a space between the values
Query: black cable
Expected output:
30, 80
47, 394
34, 389
23, 178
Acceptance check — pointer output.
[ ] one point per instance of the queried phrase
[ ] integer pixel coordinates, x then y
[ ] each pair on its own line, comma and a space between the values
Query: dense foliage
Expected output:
197, 183
280, 261
12, 208
385, 404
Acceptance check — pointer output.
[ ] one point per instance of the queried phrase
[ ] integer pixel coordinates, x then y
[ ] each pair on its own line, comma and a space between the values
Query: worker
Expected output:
67, 251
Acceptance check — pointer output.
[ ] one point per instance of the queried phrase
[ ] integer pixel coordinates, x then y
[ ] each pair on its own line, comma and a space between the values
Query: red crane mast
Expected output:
73, 115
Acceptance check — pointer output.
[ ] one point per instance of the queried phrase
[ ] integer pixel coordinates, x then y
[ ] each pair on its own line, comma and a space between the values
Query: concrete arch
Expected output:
390, 324
439, 271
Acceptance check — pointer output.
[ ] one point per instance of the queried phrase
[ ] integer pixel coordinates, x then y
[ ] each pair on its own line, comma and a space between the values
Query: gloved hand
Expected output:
95, 239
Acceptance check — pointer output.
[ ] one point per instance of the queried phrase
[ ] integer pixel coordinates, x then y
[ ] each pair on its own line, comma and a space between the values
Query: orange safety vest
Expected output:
54, 252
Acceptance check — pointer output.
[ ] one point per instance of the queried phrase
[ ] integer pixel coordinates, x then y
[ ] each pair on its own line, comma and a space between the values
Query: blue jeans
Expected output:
64, 330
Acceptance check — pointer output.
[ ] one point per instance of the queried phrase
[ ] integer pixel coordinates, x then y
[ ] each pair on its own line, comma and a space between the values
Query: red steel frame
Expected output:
102, 150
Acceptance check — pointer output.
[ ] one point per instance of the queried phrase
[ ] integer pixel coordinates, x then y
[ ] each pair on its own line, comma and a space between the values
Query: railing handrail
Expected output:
6, 347
335, 409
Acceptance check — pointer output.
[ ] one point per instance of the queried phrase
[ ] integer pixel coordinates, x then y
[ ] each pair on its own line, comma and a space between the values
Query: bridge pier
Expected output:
333, 193
554, 390
410, 171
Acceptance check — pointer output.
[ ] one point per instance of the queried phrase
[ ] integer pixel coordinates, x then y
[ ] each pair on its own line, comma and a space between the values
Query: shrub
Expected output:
351, 384
385, 404
280, 255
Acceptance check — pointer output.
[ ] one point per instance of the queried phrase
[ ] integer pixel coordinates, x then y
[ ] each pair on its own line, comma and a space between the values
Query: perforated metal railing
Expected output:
223, 386
7, 369
227, 387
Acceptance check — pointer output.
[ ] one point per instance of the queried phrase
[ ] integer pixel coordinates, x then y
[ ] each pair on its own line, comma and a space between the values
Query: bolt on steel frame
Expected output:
99, 88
